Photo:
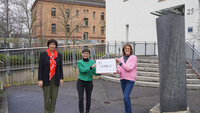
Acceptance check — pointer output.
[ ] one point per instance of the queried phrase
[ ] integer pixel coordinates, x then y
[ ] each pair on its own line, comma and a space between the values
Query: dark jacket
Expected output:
44, 69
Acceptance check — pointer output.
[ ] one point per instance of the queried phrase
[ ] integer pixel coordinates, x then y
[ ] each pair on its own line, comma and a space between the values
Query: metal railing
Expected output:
193, 56
28, 58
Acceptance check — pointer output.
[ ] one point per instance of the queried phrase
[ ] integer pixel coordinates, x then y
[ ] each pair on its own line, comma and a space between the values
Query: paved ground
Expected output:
29, 99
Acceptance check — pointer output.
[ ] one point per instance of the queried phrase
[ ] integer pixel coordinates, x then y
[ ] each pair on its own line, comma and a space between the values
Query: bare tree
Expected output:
6, 26
68, 19
26, 17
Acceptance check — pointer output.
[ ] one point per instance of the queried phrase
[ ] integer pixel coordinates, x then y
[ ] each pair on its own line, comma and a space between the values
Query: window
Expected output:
53, 28
53, 11
94, 15
85, 36
67, 13
77, 12
85, 22
77, 28
102, 30
102, 16
67, 28
86, 11
93, 29
102, 41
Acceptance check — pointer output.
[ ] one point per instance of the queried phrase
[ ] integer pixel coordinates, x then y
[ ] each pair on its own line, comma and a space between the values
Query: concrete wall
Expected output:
142, 26
136, 13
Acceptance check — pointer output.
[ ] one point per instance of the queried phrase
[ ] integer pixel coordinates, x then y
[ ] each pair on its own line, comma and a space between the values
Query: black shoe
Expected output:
87, 112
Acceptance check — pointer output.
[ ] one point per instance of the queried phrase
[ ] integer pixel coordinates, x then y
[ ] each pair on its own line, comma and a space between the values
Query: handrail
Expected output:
193, 56
196, 49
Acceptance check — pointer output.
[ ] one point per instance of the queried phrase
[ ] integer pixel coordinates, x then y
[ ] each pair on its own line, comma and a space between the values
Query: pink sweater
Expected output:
128, 70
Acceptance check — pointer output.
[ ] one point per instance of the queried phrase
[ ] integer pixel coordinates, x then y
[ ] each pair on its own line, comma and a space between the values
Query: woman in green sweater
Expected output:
87, 68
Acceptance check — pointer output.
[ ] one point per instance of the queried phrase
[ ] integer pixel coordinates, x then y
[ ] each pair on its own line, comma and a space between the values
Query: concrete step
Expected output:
193, 76
153, 61
148, 74
156, 74
138, 83
149, 65
147, 79
147, 69
193, 86
193, 81
148, 84
156, 79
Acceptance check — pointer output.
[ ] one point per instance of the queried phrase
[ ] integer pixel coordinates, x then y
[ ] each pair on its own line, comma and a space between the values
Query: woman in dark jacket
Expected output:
50, 75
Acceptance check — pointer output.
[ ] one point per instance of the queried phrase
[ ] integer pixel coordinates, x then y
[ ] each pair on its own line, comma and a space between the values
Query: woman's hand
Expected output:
117, 60
116, 72
94, 65
61, 82
40, 83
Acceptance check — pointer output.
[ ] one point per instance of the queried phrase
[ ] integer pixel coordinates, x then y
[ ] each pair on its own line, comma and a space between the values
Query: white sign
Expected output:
105, 66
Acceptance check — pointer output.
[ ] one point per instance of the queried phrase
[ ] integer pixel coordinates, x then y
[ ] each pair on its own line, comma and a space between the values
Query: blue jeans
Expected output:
127, 86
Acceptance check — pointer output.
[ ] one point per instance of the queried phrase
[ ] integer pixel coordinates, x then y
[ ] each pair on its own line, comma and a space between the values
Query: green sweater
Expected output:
85, 73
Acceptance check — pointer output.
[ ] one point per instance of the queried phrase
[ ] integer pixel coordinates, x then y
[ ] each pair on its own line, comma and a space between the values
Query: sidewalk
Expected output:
29, 99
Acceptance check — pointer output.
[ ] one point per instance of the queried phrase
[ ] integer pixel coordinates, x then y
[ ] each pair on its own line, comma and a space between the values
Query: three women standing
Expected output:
50, 75
127, 69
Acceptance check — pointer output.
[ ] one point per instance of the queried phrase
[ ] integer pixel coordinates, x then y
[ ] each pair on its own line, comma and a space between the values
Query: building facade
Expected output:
64, 19
135, 20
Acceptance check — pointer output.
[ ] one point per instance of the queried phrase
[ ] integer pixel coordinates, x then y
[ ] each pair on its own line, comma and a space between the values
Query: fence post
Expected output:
98, 39
133, 47
74, 40
8, 62
145, 49
155, 48
119, 53
73, 56
108, 53
115, 48
122, 43
92, 53
32, 61
193, 56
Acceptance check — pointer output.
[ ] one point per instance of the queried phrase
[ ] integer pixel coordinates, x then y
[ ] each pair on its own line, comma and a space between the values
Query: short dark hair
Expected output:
86, 50
52, 41
131, 49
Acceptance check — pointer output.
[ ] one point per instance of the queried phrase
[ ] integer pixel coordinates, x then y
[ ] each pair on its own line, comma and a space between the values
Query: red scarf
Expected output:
52, 63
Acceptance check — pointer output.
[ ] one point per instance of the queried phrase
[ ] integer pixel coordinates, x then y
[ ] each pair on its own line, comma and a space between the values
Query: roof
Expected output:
95, 3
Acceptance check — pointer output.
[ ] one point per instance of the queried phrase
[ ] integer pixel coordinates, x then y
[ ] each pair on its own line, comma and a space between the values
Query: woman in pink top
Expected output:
127, 69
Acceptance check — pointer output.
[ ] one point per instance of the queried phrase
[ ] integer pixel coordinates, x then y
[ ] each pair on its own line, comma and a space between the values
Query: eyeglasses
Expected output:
127, 48
86, 53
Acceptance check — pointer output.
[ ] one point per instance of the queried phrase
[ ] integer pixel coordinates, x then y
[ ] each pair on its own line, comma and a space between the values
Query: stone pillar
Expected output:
172, 59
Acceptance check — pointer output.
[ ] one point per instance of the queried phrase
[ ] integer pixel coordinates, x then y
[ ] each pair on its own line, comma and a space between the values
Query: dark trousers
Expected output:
50, 93
87, 86
127, 87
